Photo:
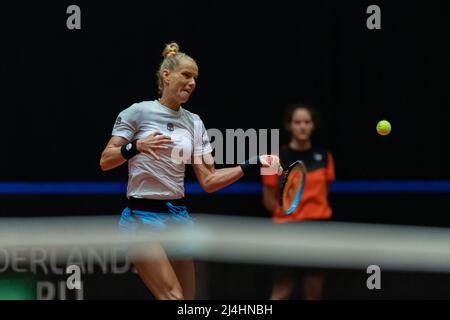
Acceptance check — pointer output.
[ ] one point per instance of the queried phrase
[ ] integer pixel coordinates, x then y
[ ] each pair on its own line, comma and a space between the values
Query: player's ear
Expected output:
165, 75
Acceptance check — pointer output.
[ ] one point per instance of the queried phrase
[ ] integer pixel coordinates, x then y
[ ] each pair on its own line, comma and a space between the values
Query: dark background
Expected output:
62, 90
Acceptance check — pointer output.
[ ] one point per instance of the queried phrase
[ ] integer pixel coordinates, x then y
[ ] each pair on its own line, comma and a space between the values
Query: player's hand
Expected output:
270, 165
151, 143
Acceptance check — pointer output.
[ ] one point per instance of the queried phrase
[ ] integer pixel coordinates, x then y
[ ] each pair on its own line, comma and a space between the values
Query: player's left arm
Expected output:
212, 179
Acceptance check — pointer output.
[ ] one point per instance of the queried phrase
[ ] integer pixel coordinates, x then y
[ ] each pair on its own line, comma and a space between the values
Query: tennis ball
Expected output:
383, 127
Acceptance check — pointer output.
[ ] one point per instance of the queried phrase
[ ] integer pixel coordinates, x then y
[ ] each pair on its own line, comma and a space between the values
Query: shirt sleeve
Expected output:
331, 175
126, 124
201, 140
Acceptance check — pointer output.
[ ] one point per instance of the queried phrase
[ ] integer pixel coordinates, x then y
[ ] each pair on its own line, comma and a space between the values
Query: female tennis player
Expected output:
158, 138
300, 123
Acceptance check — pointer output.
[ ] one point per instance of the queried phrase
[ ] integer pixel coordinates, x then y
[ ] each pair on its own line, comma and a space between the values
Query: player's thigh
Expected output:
155, 269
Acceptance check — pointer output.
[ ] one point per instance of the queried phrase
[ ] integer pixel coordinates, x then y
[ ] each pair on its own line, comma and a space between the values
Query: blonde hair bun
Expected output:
170, 50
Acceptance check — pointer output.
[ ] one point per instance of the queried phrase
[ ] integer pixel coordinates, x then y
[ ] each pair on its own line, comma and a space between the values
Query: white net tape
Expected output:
248, 240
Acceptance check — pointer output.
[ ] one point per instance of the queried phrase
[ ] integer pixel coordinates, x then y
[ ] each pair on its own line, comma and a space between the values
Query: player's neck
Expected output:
169, 103
300, 145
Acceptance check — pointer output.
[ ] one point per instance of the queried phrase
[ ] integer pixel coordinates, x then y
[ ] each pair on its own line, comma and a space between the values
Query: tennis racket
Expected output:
292, 186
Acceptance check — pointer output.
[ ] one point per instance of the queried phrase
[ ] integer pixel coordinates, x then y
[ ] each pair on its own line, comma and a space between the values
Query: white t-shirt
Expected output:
164, 178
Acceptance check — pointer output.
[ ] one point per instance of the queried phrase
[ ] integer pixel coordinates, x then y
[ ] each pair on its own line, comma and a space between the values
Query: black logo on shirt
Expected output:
119, 120
170, 126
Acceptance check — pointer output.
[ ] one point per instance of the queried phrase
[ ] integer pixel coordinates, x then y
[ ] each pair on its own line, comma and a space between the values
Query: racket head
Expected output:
292, 186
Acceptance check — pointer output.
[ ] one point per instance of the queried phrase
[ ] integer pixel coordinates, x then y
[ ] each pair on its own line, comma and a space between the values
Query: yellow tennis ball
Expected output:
383, 127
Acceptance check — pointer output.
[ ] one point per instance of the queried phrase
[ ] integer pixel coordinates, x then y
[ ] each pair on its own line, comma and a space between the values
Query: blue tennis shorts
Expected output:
133, 221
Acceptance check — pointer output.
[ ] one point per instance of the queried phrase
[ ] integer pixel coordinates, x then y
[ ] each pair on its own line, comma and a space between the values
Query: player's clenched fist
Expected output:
270, 164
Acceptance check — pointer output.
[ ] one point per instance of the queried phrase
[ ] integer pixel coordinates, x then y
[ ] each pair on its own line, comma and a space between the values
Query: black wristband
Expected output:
251, 166
129, 150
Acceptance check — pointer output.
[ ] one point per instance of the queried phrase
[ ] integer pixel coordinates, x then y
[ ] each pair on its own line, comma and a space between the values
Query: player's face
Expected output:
181, 82
301, 125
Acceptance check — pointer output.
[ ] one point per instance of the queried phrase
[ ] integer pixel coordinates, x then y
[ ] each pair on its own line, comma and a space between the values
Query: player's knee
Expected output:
170, 292
175, 294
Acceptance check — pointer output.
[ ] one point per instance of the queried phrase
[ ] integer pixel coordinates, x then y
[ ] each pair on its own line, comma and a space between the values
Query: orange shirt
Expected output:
320, 173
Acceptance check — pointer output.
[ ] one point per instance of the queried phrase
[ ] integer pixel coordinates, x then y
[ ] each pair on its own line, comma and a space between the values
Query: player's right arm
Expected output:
112, 157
